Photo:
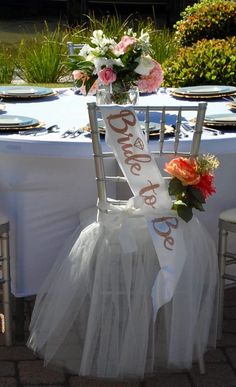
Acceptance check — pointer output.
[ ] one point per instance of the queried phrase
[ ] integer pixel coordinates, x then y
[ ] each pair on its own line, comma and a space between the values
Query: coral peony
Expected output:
184, 169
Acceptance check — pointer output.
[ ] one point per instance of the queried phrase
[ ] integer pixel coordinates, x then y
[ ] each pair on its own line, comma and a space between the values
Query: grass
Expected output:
40, 56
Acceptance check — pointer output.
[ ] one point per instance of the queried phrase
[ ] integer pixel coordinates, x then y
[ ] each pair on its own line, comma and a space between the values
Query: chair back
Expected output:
73, 47
163, 144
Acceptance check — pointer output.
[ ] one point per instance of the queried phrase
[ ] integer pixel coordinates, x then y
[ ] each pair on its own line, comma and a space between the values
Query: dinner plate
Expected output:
205, 89
203, 92
10, 121
228, 119
25, 91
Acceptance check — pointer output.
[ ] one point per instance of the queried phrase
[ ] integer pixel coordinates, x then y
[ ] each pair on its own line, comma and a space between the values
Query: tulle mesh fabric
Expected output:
94, 314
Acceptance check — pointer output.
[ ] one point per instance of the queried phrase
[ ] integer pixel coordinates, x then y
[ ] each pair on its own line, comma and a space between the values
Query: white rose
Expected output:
145, 65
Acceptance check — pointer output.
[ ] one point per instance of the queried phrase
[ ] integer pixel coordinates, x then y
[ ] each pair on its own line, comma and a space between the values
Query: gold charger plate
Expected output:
203, 91
169, 130
10, 129
25, 92
225, 119
204, 96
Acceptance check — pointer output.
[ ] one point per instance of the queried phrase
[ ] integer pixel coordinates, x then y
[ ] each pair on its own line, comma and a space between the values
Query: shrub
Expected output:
206, 62
207, 19
41, 60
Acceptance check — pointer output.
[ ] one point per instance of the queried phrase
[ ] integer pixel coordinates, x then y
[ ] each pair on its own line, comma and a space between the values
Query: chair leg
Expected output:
201, 363
222, 247
200, 357
20, 318
6, 289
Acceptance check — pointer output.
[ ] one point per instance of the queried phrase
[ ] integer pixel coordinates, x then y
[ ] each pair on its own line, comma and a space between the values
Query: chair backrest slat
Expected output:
73, 48
165, 147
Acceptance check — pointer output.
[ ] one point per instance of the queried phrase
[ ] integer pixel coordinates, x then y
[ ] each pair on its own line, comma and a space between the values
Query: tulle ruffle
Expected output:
94, 313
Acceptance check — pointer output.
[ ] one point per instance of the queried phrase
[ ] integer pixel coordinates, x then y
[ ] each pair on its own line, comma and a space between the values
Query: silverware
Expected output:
215, 132
187, 127
230, 98
184, 131
67, 133
40, 131
72, 133
76, 133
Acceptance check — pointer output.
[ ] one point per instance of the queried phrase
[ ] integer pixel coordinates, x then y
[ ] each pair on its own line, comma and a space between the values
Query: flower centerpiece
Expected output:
191, 183
116, 65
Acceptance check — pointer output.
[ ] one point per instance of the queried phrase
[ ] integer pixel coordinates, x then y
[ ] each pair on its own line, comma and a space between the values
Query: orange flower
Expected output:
184, 169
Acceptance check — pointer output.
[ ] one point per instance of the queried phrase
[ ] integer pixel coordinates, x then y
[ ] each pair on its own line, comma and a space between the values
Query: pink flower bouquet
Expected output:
118, 65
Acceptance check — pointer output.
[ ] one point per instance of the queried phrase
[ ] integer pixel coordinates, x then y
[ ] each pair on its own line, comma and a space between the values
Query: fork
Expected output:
213, 131
72, 133
67, 133
76, 133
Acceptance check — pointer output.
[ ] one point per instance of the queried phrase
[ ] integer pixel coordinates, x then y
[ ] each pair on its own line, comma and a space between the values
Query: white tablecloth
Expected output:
46, 180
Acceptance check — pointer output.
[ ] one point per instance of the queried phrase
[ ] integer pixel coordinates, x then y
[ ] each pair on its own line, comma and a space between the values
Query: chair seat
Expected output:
229, 215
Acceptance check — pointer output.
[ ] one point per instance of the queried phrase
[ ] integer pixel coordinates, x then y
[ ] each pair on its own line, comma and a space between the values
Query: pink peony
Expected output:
125, 43
152, 81
107, 76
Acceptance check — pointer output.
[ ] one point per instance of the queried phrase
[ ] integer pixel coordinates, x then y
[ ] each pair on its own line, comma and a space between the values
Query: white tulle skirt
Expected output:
94, 313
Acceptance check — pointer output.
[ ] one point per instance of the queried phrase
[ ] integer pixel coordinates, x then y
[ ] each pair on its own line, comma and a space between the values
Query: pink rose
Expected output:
152, 81
107, 76
80, 75
125, 43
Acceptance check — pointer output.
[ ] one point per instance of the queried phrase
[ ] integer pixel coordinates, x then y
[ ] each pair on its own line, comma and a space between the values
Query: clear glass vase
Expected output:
119, 96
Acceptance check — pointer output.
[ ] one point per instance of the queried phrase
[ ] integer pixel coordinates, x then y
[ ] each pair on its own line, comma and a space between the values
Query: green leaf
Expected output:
176, 187
184, 212
197, 194
89, 84
198, 206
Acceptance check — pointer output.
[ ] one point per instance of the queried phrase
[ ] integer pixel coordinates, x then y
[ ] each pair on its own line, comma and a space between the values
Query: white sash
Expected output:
126, 139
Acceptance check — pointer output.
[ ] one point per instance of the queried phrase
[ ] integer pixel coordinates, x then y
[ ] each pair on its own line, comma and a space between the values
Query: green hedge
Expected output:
206, 62
208, 19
